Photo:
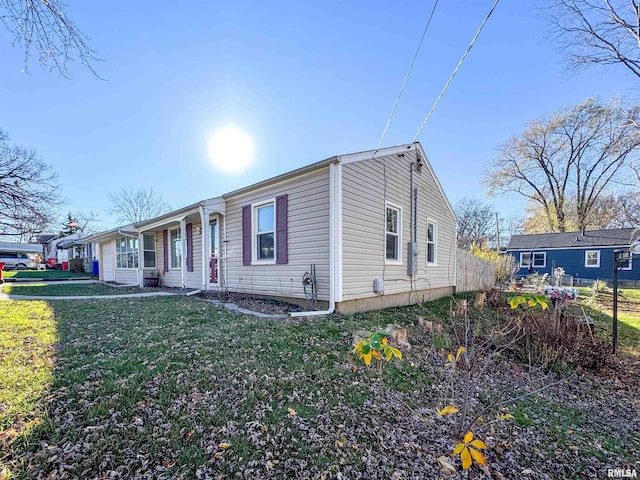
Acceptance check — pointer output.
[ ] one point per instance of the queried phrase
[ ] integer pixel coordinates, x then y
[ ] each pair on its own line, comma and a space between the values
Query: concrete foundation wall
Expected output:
394, 300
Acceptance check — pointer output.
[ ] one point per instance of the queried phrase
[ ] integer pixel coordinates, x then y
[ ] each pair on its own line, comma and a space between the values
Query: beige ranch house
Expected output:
375, 227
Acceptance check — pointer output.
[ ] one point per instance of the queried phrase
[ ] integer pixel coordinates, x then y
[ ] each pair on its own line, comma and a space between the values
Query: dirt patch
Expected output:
263, 305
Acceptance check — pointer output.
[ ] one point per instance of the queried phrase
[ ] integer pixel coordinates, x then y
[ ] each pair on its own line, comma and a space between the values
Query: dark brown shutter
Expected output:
189, 228
246, 235
282, 254
165, 250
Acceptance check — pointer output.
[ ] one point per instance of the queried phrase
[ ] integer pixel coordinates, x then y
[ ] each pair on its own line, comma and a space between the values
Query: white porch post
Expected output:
183, 243
140, 260
204, 220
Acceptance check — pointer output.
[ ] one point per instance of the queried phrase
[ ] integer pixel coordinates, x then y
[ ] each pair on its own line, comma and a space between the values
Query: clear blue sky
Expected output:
306, 80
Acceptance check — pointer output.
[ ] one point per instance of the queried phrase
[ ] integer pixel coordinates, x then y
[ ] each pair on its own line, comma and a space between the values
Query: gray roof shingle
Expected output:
591, 238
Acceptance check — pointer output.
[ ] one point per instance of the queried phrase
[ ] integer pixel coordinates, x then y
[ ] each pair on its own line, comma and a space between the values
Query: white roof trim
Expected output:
371, 154
585, 247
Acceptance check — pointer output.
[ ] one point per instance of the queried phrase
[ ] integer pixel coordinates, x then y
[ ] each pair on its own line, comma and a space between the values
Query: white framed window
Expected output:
393, 234
175, 248
539, 259
592, 258
126, 252
264, 232
432, 242
149, 250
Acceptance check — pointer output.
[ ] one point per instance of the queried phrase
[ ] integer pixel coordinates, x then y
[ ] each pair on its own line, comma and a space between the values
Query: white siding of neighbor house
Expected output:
308, 239
363, 227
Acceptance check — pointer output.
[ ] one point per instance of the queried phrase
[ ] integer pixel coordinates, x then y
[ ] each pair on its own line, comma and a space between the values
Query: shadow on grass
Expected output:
168, 387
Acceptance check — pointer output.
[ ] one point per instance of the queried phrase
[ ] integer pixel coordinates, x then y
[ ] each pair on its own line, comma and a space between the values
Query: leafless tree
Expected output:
597, 32
131, 206
609, 211
42, 26
576, 154
29, 191
476, 222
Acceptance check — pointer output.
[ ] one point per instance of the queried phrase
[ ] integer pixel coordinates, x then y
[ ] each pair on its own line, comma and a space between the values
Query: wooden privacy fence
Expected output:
473, 273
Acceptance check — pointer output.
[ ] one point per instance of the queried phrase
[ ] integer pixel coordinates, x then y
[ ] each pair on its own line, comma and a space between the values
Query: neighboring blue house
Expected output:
584, 255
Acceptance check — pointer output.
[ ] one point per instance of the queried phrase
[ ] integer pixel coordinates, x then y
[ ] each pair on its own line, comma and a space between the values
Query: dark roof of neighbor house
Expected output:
588, 238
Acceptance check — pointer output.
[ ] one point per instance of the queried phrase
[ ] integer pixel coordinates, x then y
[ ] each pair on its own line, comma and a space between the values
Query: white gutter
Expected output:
335, 213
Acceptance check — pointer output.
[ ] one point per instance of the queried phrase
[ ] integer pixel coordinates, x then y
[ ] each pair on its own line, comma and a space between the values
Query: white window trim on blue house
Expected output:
524, 264
586, 259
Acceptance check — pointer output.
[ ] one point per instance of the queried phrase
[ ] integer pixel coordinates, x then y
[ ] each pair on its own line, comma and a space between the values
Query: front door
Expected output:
214, 250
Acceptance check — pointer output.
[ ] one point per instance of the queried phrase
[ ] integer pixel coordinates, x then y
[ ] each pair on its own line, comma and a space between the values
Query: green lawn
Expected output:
44, 274
600, 309
172, 387
71, 289
27, 334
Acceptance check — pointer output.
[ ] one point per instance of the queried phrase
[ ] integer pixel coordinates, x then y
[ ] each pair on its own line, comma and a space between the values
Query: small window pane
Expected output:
213, 234
149, 259
392, 220
266, 245
431, 253
265, 219
149, 242
430, 232
392, 247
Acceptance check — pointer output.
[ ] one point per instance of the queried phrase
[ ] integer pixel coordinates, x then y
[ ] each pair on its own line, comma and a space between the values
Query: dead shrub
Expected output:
543, 344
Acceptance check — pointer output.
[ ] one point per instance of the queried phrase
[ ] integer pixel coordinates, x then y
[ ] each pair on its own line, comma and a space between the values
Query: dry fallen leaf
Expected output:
291, 411
445, 465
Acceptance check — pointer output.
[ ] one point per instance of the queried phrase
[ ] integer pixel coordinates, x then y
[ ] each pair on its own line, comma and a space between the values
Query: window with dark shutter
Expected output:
282, 254
246, 235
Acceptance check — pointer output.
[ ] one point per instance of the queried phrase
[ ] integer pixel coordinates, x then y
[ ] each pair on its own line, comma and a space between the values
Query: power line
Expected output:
473, 41
393, 110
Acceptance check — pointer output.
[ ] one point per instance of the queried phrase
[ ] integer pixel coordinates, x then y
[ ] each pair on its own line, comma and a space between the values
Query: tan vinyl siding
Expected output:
194, 279
308, 242
363, 227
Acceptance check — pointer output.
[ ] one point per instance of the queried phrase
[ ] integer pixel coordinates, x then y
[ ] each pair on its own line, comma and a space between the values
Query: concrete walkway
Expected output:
4, 296
229, 306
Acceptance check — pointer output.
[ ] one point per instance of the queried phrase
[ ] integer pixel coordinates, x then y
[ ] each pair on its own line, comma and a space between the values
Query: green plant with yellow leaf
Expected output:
529, 300
469, 451
376, 346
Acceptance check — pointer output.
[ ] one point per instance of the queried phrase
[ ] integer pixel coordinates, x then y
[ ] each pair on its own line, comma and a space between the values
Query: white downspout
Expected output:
140, 259
334, 243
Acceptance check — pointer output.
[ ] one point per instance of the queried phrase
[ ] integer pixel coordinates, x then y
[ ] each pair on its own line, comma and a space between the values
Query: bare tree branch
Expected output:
43, 26
131, 206
476, 222
597, 32
567, 162
29, 190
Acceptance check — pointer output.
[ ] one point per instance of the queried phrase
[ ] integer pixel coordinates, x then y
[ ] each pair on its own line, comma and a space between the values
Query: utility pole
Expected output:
497, 234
